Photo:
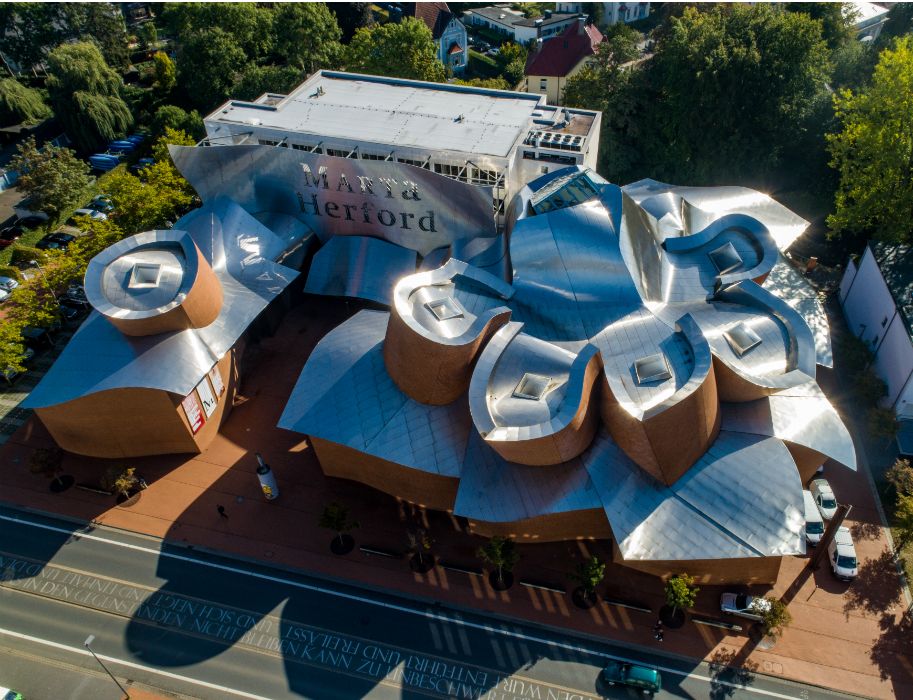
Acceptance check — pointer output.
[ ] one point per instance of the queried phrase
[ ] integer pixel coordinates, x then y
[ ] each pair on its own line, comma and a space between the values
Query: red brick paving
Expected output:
848, 637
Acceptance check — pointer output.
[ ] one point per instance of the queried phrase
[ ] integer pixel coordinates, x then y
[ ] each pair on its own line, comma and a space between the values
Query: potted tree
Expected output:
775, 618
48, 462
124, 485
588, 575
420, 543
501, 554
681, 594
335, 517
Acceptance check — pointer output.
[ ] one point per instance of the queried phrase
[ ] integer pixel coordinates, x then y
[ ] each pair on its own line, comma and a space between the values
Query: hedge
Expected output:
8, 271
25, 254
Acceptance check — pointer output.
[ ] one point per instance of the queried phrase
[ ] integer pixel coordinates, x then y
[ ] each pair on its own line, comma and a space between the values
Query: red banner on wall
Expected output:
193, 412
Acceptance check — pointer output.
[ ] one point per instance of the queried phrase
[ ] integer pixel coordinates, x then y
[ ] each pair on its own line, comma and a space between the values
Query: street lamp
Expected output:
34, 263
87, 643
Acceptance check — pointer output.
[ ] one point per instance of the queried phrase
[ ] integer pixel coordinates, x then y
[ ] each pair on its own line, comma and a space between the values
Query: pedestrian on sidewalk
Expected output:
222, 512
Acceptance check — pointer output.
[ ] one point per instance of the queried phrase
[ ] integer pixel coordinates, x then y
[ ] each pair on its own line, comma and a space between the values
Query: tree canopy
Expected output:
250, 25
306, 36
730, 89
165, 73
401, 50
209, 64
86, 95
20, 104
53, 176
836, 20
352, 16
255, 80
873, 151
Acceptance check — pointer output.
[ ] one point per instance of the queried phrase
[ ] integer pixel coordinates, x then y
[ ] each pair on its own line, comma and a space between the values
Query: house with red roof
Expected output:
549, 67
447, 30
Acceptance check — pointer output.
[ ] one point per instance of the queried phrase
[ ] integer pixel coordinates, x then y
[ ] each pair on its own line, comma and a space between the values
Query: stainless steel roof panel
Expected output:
360, 268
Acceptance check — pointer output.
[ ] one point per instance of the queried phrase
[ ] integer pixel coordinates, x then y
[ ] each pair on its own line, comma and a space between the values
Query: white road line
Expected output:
131, 664
392, 606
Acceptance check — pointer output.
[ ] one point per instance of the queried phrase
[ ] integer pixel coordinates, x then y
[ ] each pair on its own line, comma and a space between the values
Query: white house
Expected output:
513, 26
877, 298
612, 12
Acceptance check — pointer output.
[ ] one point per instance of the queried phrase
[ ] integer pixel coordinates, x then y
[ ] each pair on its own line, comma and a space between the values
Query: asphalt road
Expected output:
198, 625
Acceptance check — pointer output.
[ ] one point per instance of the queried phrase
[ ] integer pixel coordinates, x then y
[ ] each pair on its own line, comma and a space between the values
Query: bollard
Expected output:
267, 480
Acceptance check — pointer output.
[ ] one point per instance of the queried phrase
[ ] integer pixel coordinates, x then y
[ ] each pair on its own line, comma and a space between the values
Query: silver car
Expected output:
743, 605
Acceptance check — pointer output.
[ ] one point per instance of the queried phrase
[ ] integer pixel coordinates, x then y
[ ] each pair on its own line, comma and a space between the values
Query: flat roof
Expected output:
394, 112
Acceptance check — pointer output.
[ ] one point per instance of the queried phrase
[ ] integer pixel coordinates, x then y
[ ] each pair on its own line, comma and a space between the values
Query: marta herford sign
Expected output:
400, 203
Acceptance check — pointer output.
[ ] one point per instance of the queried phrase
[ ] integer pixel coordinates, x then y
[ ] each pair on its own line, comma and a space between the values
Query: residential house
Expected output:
612, 12
876, 293
556, 60
448, 31
513, 26
868, 18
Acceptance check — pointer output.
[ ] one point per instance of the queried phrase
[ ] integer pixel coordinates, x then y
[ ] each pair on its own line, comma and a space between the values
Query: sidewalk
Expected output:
847, 637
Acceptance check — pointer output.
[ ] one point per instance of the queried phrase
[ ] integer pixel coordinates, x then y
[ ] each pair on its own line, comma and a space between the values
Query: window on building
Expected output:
543, 83
457, 172
373, 156
267, 142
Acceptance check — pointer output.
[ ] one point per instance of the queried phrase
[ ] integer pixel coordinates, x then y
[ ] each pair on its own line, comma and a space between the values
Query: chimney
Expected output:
548, 14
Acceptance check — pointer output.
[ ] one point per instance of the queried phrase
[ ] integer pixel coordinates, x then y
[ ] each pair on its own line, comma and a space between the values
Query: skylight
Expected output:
725, 258
741, 338
445, 309
532, 386
652, 368
145, 275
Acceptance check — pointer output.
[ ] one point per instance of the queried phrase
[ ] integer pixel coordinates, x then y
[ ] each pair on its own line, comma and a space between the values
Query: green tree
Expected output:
352, 16
103, 23
250, 25
20, 104
255, 80
873, 152
899, 22
681, 593
209, 64
165, 74
86, 95
335, 517
853, 65
903, 520
836, 20
605, 86
54, 177
12, 346
306, 36
730, 90
148, 35
588, 575
500, 553
775, 618
174, 118
402, 50
32, 29
900, 476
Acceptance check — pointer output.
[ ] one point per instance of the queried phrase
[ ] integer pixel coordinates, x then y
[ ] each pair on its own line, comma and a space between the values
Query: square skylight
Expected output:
741, 338
725, 258
652, 368
445, 309
532, 386
145, 275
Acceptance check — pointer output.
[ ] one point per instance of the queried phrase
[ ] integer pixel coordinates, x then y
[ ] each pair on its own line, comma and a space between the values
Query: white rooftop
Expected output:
394, 112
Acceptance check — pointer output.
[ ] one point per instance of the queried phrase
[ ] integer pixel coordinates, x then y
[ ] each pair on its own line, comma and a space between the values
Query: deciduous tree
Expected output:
174, 118
775, 618
250, 25
873, 151
681, 593
209, 64
53, 176
259, 79
165, 74
501, 553
352, 16
86, 95
20, 104
306, 36
401, 50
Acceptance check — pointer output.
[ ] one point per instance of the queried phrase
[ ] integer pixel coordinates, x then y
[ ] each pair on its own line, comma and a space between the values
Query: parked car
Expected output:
76, 292
643, 678
31, 221
4, 295
101, 203
55, 241
824, 497
9, 235
91, 213
8, 283
841, 553
10, 694
814, 523
743, 605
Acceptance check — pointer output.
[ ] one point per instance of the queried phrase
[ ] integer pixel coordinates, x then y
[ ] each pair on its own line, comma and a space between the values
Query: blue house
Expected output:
447, 30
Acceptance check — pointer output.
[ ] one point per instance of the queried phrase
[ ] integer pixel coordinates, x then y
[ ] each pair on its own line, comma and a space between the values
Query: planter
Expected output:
502, 584
423, 564
672, 618
127, 500
342, 545
62, 483
582, 599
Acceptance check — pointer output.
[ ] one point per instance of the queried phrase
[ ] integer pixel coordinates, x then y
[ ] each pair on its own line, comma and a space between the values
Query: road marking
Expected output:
131, 664
390, 606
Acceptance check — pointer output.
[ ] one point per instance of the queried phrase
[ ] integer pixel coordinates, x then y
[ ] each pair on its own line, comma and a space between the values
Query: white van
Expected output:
814, 523
842, 555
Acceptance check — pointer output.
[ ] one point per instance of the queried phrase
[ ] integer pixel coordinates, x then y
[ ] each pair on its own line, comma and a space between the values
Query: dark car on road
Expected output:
643, 678
55, 241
